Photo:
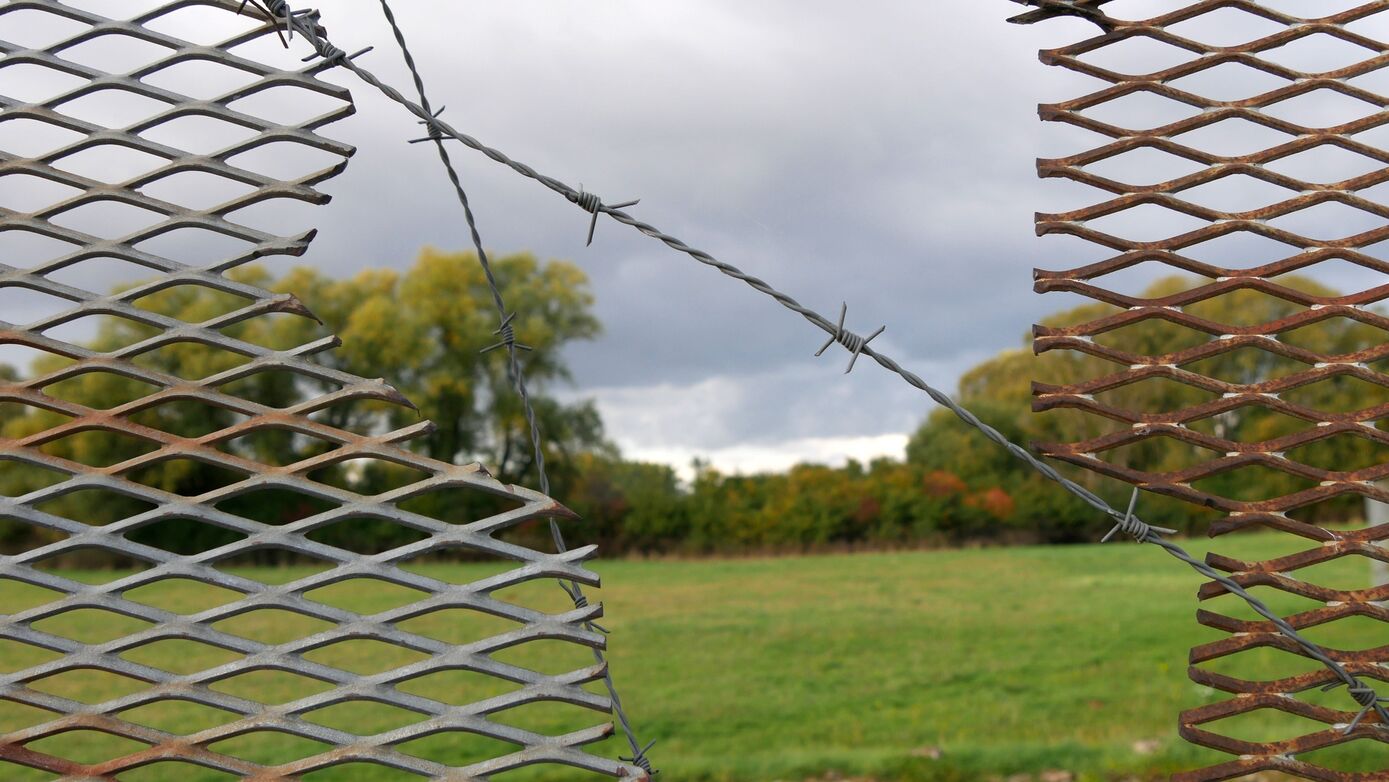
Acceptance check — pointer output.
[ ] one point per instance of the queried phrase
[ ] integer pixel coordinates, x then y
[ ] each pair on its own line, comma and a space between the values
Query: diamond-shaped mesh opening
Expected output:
275, 446
186, 418
200, 135
115, 53
1321, 108
180, 656
276, 506
1229, 82
196, 189
37, 28
1335, 336
1234, 137
1328, 222
288, 160
287, 105
1141, 108
111, 163
111, 107
365, 595
1224, 27
99, 387
1342, 394
363, 717
184, 536
1318, 53
86, 746
90, 625
1238, 193
18, 716
201, 79
88, 685
29, 83
18, 596
179, 717
272, 626
29, 193
1324, 164
1343, 453
269, 747
456, 748
99, 448
1265, 725
16, 656
25, 305
1143, 166
361, 772
1161, 455
366, 535
271, 687
172, 770
1154, 395
365, 656
1360, 756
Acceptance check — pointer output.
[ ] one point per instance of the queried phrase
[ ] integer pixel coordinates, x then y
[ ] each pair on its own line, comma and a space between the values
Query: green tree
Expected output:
999, 391
423, 331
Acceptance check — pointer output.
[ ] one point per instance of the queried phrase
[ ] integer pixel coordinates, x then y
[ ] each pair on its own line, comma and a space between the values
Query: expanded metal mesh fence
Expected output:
1263, 133
90, 708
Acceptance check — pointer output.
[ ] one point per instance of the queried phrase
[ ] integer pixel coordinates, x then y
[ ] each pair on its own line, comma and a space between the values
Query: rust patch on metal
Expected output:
67, 535
1268, 30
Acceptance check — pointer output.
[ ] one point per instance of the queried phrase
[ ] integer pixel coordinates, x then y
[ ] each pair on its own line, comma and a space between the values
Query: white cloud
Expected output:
774, 457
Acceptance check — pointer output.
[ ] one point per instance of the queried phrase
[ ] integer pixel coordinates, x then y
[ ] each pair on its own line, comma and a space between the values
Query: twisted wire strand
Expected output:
515, 372
1355, 686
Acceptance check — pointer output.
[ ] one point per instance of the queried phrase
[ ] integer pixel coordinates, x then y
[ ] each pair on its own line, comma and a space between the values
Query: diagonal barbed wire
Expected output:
515, 372
1364, 695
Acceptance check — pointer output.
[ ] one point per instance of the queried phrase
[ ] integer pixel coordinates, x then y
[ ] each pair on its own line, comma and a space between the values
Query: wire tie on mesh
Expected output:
851, 341
640, 760
1051, 9
1366, 697
275, 9
508, 335
1135, 526
591, 203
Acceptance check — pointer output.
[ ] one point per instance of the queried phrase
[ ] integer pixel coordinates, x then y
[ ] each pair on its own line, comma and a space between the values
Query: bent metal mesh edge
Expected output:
1307, 173
59, 713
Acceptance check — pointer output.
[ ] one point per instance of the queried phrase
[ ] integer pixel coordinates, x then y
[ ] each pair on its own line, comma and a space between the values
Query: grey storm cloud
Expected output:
879, 155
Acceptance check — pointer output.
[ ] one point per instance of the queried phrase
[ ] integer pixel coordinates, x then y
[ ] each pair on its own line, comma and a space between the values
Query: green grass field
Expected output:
952, 665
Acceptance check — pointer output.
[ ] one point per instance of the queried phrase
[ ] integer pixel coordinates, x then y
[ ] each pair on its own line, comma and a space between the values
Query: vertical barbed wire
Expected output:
515, 372
1363, 694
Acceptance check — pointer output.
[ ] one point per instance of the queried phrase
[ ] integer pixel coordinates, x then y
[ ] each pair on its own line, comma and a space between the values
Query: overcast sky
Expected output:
882, 159
881, 154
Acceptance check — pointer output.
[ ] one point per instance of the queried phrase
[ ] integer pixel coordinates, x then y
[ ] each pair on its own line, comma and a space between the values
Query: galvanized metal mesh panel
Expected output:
1286, 114
38, 713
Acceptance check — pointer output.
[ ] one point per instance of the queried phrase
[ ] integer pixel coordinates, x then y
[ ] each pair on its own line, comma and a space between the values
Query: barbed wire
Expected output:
1364, 695
516, 373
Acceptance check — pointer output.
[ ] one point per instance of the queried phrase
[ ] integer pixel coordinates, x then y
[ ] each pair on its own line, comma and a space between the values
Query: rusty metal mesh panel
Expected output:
44, 721
1265, 134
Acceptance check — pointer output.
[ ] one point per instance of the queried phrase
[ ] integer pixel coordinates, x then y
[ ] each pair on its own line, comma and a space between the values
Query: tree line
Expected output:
424, 328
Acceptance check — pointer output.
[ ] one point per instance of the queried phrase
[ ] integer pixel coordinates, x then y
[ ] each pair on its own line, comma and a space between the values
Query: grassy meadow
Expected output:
931, 666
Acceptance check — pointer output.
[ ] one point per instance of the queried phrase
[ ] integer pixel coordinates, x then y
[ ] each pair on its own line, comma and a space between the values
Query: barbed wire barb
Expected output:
590, 202
1131, 524
851, 341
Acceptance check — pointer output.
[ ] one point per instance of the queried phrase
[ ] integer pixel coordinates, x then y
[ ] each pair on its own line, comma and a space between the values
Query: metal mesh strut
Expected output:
43, 712
1268, 131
